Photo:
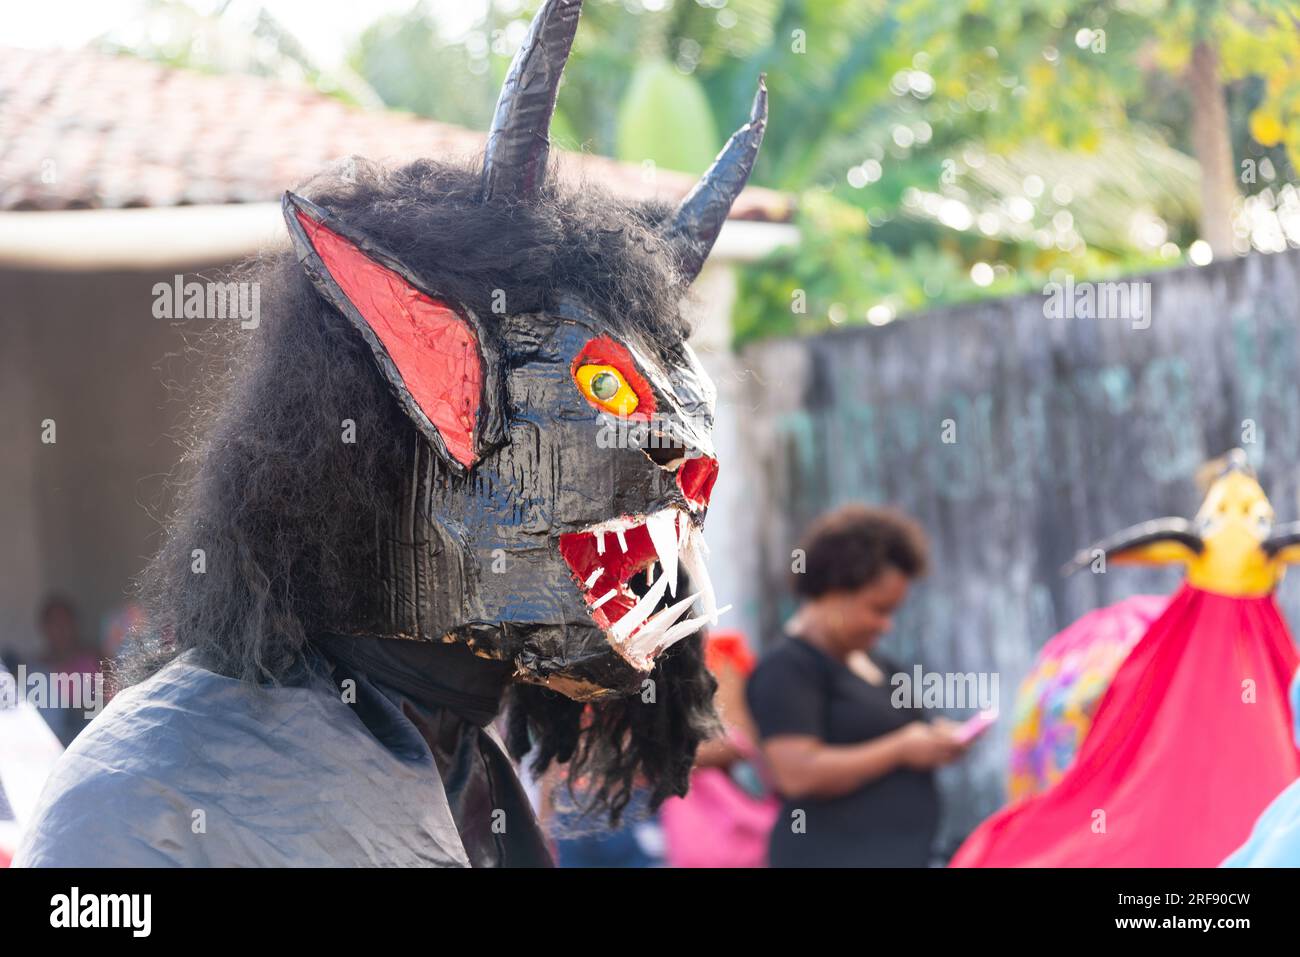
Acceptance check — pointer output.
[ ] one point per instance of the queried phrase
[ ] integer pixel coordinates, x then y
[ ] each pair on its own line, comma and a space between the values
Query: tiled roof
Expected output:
88, 130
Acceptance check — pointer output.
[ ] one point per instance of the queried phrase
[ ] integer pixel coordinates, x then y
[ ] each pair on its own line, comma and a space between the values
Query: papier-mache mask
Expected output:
563, 465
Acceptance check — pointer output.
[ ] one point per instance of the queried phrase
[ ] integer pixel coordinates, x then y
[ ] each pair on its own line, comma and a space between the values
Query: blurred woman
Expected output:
855, 772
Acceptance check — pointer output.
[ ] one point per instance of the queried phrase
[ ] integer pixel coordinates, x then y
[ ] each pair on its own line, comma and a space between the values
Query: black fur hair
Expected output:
285, 513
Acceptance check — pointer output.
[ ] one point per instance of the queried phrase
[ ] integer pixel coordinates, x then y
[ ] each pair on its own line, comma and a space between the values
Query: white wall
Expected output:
730, 529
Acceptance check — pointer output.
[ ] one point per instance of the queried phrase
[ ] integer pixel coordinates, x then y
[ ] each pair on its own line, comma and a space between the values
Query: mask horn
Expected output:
519, 142
695, 227
1162, 541
1283, 545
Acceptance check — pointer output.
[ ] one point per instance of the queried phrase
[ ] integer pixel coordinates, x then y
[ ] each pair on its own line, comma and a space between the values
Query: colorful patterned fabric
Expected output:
1056, 701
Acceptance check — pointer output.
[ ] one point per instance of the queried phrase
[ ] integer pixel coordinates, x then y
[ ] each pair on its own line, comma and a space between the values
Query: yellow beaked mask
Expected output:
1232, 548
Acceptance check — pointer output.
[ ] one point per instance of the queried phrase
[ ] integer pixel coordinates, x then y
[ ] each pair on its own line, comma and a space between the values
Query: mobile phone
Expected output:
972, 728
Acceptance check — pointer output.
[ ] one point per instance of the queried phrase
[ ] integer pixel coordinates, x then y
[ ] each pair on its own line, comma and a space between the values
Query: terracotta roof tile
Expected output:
86, 130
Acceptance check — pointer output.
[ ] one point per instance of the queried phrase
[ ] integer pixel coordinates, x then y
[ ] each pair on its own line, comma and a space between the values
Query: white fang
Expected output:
692, 556
639, 612
662, 527
650, 637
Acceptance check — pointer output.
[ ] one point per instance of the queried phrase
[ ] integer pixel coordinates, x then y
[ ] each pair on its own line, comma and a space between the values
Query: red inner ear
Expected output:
605, 351
434, 348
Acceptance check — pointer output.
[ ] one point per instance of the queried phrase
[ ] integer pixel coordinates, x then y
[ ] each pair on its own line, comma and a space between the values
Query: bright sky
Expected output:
323, 27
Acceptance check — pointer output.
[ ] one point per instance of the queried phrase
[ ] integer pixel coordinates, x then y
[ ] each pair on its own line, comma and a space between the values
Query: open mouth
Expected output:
630, 572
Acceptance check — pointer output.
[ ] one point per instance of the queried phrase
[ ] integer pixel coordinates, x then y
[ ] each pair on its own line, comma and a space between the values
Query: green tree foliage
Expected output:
938, 150
407, 62
665, 117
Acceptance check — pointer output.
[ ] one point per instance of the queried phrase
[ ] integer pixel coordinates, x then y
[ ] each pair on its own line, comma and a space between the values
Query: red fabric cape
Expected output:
1180, 765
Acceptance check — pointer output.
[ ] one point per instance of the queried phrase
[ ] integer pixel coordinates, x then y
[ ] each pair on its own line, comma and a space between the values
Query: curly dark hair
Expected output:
286, 513
849, 547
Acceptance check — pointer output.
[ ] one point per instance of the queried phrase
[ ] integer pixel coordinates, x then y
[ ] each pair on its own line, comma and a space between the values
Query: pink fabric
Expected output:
717, 824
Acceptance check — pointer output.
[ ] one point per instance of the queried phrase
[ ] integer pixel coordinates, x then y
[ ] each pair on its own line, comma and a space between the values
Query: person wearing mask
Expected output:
855, 772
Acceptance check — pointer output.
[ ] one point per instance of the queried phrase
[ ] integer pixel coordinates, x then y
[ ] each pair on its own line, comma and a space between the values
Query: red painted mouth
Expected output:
696, 477
601, 565
628, 573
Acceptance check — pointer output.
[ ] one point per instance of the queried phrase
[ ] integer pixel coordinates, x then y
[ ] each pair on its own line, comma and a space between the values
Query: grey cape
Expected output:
191, 768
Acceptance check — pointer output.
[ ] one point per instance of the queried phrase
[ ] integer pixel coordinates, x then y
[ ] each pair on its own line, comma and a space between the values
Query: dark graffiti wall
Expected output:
1017, 439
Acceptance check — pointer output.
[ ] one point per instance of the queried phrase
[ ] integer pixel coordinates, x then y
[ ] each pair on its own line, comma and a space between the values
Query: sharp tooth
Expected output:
639, 612
622, 542
660, 623
648, 643
655, 637
600, 543
672, 612
604, 598
595, 577
650, 573
682, 629
693, 562
658, 635
663, 535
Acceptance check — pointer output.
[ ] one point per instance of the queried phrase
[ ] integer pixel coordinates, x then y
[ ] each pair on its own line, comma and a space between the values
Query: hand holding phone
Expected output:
972, 728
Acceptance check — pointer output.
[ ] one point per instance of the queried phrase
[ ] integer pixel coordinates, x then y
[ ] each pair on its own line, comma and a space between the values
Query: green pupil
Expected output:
604, 386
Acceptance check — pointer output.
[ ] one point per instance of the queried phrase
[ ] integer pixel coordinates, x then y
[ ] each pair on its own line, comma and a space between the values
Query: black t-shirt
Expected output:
798, 689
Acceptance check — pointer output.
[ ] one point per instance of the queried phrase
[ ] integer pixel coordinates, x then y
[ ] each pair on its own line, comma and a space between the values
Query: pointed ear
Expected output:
434, 354
1164, 541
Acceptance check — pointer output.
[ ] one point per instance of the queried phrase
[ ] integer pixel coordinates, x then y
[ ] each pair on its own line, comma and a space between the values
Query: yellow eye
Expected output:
606, 387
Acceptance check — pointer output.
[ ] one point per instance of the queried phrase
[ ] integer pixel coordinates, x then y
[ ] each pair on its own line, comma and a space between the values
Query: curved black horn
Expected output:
1282, 536
519, 142
1178, 530
699, 218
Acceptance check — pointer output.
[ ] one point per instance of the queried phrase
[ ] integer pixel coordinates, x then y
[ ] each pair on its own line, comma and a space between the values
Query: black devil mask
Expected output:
561, 464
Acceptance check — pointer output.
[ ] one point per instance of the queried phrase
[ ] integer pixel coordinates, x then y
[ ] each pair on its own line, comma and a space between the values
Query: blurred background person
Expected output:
580, 838
855, 772
725, 818
64, 660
